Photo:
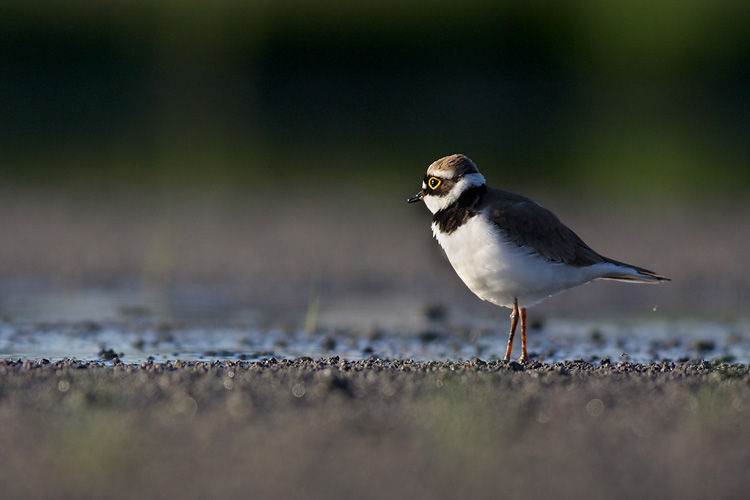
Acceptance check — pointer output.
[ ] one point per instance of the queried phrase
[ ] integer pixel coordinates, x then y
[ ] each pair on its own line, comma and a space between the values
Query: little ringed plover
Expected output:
506, 248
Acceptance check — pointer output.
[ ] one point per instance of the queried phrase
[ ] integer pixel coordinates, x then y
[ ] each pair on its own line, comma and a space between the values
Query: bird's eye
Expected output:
433, 182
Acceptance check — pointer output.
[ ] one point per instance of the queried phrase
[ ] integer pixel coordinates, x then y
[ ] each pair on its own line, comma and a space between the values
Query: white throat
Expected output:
436, 203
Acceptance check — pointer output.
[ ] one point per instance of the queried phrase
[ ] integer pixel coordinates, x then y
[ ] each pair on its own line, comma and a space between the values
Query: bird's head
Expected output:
446, 180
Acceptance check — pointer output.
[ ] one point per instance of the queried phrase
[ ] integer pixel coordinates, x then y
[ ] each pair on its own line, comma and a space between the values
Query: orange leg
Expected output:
513, 325
524, 355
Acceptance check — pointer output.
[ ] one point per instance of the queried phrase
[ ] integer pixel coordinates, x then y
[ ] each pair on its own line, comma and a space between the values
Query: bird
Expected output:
508, 249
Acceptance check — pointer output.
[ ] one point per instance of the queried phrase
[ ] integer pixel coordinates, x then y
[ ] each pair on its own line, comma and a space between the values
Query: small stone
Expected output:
328, 343
435, 312
109, 354
702, 345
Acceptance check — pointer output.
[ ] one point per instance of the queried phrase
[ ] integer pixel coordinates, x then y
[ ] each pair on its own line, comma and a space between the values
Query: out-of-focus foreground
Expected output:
374, 429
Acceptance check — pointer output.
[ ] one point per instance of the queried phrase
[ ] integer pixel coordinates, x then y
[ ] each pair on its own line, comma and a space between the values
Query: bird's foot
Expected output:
524, 359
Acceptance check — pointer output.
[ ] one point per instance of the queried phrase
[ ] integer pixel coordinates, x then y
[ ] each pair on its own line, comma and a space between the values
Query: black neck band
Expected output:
454, 215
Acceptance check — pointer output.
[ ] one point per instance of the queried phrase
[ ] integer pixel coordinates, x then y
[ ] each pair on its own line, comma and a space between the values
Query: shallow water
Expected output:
136, 341
210, 323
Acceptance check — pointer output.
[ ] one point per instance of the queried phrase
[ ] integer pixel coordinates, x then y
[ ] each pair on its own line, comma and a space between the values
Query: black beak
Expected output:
417, 197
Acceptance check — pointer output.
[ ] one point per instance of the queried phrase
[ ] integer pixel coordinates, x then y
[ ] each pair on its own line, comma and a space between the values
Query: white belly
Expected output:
500, 271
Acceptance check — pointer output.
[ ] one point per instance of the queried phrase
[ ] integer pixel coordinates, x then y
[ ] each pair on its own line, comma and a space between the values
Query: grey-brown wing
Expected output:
528, 224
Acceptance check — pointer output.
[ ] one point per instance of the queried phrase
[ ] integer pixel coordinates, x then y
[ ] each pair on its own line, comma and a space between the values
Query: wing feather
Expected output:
528, 224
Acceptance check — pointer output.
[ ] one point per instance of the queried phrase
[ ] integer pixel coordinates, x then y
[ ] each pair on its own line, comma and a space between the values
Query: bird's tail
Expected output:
633, 274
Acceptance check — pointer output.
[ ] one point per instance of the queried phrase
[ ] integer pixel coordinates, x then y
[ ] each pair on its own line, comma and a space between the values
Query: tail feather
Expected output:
633, 274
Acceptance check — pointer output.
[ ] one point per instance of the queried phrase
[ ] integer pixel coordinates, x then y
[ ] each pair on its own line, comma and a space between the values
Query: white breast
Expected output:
500, 271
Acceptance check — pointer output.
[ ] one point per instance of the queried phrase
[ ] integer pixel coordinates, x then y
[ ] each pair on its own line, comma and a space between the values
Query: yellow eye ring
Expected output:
433, 182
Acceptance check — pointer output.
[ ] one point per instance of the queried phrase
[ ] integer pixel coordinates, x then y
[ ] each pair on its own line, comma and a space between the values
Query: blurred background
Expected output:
208, 157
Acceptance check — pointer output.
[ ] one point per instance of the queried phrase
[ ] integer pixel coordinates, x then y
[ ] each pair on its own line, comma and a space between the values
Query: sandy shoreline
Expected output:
333, 428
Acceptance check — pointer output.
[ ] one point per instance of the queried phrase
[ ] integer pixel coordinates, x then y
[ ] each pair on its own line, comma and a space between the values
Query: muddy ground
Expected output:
331, 428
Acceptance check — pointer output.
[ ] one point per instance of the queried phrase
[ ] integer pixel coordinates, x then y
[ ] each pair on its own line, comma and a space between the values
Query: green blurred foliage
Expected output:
617, 97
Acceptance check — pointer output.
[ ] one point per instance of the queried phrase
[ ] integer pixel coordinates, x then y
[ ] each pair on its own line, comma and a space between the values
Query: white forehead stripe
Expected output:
436, 203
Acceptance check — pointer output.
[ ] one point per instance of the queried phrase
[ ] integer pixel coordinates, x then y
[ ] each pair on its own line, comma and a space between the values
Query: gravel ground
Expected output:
331, 428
